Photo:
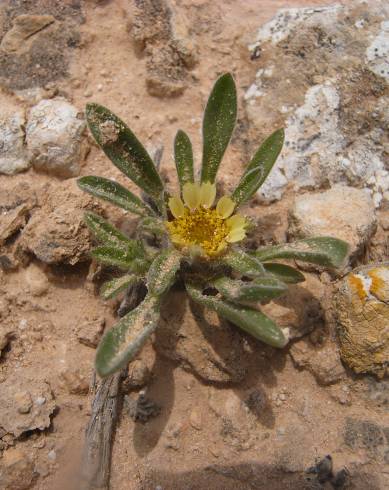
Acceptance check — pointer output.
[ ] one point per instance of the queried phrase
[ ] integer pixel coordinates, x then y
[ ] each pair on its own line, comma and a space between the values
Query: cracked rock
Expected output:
57, 232
54, 136
13, 154
341, 212
163, 35
324, 363
24, 26
25, 405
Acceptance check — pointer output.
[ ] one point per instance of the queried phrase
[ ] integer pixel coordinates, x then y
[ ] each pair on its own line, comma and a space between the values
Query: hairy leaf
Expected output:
105, 232
115, 193
121, 344
260, 289
124, 150
183, 156
259, 167
284, 272
131, 259
218, 125
248, 319
325, 251
117, 285
152, 225
243, 263
162, 271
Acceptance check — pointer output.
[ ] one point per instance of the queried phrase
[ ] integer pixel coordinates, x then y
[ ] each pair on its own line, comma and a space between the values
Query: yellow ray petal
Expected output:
191, 195
225, 207
235, 222
236, 235
176, 206
207, 194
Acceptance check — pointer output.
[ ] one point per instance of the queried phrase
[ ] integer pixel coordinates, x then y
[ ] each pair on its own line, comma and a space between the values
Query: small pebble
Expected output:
52, 455
41, 400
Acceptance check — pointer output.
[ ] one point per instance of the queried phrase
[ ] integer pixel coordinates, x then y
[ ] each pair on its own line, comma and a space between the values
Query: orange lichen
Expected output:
357, 285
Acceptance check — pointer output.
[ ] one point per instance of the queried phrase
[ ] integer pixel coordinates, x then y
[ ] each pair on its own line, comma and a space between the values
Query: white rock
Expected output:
342, 212
283, 23
13, 154
377, 54
334, 113
312, 140
54, 136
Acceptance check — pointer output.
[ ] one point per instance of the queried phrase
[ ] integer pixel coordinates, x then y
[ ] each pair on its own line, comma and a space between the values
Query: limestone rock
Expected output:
341, 212
362, 304
89, 333
16, 204
13, 154
25, 405
323, 363
57, 232
200, 342
54, 135
163, 35
75, 380
16, 470
24, 26
38, 39
12, 220
322, 74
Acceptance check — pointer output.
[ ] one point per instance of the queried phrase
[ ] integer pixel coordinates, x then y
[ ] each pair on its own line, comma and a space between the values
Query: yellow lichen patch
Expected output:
357, 285
379, 283
198, 226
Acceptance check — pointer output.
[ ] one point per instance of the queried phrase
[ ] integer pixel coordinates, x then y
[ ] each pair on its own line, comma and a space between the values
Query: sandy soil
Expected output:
207, 435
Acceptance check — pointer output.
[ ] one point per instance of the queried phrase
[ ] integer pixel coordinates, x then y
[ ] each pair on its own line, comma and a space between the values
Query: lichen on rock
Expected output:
363, 314
323, 74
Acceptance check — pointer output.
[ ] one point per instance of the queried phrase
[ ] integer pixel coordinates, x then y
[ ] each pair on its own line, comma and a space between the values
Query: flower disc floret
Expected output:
198, 225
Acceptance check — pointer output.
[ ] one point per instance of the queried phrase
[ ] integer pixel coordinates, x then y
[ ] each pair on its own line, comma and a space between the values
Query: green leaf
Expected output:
105, 232
243, 263
117, 285
284, 272
264, 288
124, 150
162, 271
121, 344
218, 125
259, 167
183, 156
248, 319
115, 193
124, 259
325, 251
152, 225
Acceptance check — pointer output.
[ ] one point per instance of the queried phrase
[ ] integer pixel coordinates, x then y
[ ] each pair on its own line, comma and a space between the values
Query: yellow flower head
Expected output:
197, 225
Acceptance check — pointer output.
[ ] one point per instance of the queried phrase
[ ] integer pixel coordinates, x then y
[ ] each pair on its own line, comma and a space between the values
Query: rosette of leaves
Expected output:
187, 237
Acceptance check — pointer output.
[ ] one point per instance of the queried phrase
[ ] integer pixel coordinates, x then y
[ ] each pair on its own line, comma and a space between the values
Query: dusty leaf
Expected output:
115, 193
218, 125
248, 319
121, 344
